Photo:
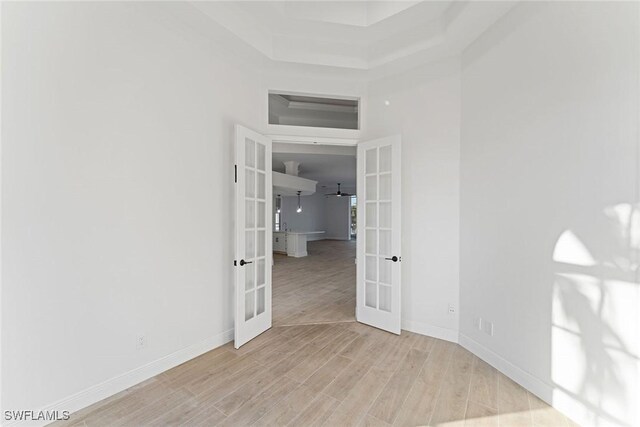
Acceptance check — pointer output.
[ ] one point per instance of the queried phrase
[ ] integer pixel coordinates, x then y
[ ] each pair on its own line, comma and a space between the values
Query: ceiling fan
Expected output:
338, 193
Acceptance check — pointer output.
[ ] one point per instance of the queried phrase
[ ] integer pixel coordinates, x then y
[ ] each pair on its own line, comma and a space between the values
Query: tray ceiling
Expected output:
362, 35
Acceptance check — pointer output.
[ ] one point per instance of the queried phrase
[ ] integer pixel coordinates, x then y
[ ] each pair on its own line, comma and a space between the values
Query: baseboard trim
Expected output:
517, 374
553, 396
124, 381
430, 330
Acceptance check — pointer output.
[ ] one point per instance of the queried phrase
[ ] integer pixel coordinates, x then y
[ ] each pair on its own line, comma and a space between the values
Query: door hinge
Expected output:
235, 173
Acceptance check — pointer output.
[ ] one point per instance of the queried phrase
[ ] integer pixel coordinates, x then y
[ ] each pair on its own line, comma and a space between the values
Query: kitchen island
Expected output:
293, 243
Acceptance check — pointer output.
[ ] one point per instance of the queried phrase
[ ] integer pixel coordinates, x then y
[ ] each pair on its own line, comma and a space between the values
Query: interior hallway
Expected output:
318, 288
341, 374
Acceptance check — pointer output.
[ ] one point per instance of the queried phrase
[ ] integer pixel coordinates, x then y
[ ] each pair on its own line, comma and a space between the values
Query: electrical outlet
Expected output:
141, 342
452, 309
479, 323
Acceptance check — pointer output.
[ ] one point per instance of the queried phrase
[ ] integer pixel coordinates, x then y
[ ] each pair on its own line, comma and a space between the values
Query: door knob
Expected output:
243, 262
393, 258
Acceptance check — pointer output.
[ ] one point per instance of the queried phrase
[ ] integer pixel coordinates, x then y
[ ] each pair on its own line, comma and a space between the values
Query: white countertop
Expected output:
300, 232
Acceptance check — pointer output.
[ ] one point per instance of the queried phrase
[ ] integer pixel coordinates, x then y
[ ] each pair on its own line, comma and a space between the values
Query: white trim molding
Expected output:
517, 374
430, 330
124, 381
307, 138
564, 403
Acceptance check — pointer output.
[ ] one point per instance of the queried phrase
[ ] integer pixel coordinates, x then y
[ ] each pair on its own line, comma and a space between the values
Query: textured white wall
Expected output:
116, 191
338, 217
549, 213
319, 213
312, 217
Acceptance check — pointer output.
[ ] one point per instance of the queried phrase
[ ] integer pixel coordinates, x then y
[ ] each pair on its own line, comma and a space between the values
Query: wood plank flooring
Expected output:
318, 367
341, 374
318, 288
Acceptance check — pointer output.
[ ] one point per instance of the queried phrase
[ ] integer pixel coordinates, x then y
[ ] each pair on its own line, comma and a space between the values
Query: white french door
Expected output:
379, 228
253, 253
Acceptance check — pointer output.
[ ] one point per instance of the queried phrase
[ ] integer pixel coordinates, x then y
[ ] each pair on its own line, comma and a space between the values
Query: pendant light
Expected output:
299, 204
278, 203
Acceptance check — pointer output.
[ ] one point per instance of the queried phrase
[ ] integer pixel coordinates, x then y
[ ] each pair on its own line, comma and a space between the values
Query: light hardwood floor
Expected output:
333, 374
337, 374
318, 288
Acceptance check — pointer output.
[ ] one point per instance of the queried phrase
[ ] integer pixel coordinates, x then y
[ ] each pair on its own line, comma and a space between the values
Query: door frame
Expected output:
310, 139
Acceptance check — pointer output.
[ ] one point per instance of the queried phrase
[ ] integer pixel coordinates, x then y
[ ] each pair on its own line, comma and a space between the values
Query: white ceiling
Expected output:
362, 35
327, 169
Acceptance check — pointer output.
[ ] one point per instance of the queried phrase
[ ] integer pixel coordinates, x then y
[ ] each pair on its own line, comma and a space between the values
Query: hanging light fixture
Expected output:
299, 204
278, 203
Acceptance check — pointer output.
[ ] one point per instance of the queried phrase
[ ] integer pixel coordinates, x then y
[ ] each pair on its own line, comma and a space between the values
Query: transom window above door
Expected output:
313, 111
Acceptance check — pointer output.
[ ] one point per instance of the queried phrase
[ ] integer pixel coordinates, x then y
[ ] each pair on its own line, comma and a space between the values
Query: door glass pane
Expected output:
385, 298
385, 214
371, 190
370, 268
260, 215
261, 156
261, 186
260, 244
384, 245
250, 183
260, 271
250, 152
249, 277
371, 215
260, 302
371, 161
384, 270
250, 245
249, 213
370, 297
385, 187
385, 159
371, 242
249, 304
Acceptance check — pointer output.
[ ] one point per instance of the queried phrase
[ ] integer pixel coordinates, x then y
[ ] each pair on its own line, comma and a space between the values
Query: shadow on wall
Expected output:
595, 332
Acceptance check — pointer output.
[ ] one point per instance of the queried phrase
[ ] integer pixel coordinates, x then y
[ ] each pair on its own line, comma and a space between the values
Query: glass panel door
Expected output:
379, 258
253, 235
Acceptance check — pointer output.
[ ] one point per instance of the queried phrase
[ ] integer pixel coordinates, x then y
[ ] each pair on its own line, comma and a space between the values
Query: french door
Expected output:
379, 228
253, 234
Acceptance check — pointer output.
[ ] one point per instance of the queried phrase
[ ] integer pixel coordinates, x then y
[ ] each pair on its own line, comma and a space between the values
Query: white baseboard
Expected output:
122, 382
536, 386
564, 403
430, 330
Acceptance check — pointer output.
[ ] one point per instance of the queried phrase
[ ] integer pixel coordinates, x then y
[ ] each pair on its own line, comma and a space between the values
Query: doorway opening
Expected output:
378, 271
314, 246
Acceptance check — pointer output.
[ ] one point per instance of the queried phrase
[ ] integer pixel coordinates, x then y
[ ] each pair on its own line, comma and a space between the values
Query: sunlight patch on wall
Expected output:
570, 250
595, 342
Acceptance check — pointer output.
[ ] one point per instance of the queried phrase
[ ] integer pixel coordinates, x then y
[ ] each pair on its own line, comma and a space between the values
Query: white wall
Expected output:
424, 107
116, 188
338, 217
549, 212
312, 217
319, 213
